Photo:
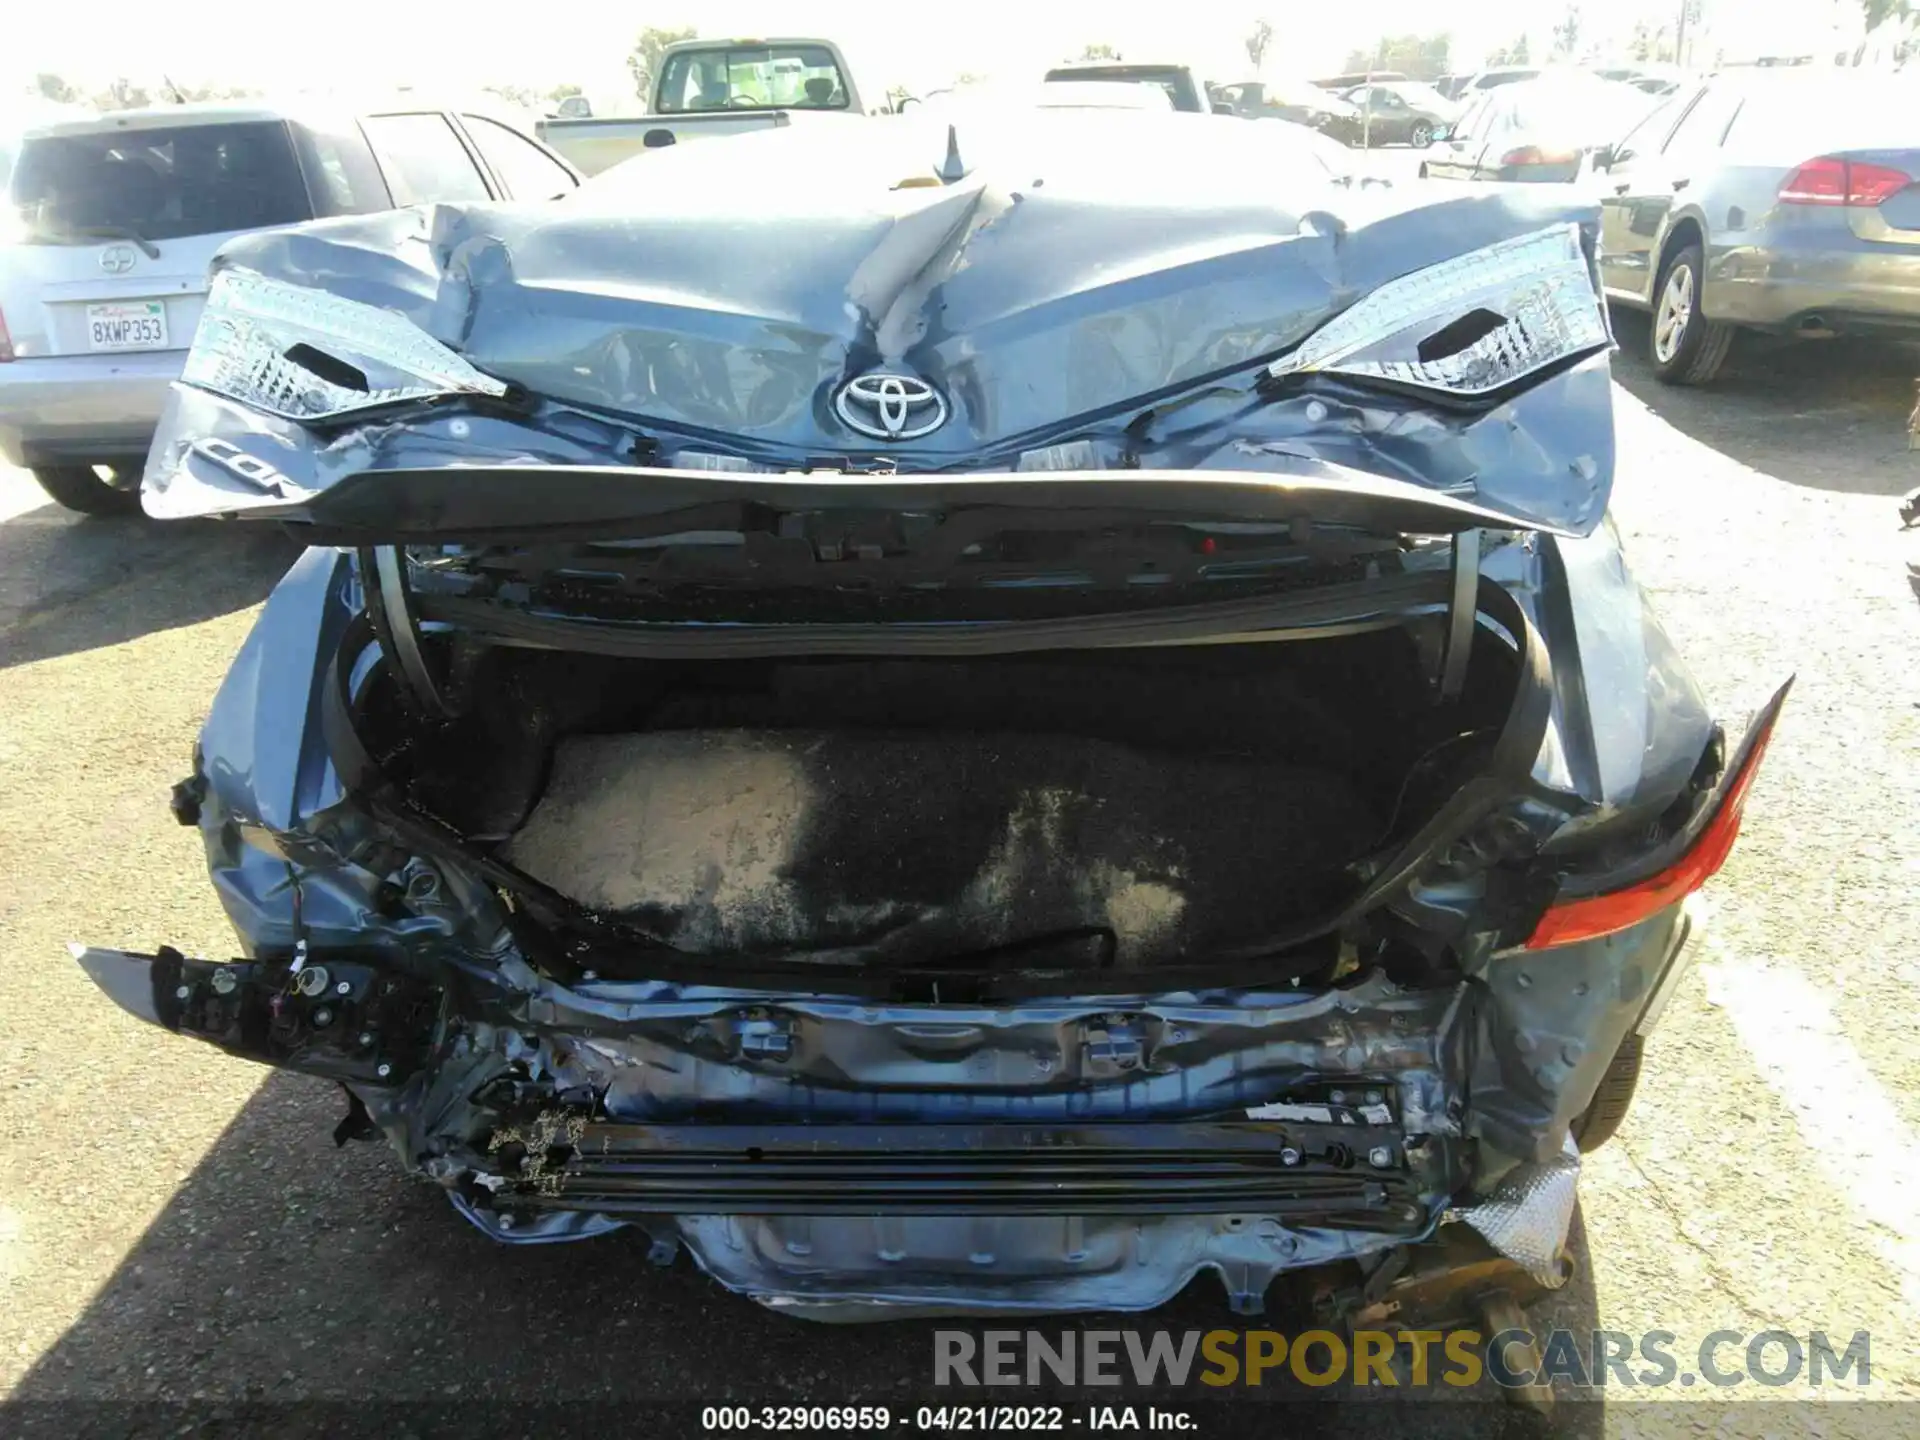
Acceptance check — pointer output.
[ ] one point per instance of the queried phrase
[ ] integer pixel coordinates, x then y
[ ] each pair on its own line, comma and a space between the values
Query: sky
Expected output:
463, 47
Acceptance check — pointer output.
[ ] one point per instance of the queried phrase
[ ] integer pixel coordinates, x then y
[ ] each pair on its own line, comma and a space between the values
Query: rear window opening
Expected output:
158, 184
752, 77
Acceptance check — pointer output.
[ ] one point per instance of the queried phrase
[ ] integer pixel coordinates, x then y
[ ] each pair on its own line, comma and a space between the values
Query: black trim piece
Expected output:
500, 502
1331, 611
1579, 886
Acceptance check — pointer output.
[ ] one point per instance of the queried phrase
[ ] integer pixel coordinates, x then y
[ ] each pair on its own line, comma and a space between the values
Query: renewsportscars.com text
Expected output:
1401, 1358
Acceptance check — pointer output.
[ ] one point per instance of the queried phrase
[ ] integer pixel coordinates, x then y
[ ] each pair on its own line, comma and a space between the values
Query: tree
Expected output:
517, 95
1878, 11
122, 94
1419, 57
561, 92
1258, 39
644, 63
1518, 53
56, 88
1650, 45
1566, 34
1099, 52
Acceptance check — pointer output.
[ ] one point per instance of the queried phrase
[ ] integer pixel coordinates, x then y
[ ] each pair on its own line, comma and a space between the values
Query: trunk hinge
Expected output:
1461, 611
390, 608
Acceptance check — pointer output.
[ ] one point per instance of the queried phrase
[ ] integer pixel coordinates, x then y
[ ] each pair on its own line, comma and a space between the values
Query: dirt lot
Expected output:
174, 1224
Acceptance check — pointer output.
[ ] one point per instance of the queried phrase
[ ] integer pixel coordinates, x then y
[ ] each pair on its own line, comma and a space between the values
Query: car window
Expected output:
1706, 123
528, 172
162, 183
752, 77
1478, 118
1645, 138
1801, 115
423, 159
340, 171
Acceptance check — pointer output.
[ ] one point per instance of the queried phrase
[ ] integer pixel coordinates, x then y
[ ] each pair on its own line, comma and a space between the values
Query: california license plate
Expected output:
135, 325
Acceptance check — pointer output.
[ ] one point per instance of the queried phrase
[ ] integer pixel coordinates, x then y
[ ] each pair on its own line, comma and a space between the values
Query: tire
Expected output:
78, 488
1686, 348
1613, 1098
1421, 136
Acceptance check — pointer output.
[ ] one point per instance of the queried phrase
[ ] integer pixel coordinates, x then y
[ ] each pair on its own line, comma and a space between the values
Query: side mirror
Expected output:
1603, 158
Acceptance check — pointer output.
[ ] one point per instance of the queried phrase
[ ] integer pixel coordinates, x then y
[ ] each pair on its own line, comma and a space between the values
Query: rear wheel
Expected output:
1614, 1097
1422, 135
1687, 348
80, 487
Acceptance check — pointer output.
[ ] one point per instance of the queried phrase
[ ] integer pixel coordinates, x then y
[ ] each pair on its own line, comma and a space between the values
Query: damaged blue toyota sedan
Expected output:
949, 720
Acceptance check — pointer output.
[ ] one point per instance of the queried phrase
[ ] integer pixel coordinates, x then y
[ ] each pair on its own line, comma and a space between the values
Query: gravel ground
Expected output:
175, 1224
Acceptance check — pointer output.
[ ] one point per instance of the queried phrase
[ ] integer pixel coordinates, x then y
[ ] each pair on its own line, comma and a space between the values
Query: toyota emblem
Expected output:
890, 406
117, 259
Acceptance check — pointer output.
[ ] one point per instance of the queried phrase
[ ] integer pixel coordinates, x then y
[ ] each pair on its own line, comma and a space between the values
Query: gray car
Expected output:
1539, 131
116, 218
988, 744
1781, 201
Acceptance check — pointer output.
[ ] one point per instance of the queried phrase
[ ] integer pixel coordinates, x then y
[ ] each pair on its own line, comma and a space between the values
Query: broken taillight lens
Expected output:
1593, 916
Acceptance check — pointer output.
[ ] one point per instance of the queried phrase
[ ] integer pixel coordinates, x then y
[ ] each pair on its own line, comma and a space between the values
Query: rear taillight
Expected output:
6, 340
1593, 916
1534, 155
1830, 180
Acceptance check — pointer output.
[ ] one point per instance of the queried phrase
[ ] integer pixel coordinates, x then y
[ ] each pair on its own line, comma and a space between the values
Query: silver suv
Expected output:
115, 217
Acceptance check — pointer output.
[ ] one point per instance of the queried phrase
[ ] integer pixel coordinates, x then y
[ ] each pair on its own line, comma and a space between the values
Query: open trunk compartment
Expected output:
1080, 811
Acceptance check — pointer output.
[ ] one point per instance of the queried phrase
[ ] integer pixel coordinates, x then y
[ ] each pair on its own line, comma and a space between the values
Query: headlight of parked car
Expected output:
1470, 325
306, 355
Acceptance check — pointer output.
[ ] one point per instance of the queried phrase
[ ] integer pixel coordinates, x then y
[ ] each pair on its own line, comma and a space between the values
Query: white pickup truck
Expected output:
707, 88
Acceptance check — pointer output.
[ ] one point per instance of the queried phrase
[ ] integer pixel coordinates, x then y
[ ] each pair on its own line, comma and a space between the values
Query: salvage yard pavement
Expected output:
174, 1224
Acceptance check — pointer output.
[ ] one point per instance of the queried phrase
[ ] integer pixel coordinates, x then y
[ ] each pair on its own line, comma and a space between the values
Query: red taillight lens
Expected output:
1833, 181
1593, 916
1534, 155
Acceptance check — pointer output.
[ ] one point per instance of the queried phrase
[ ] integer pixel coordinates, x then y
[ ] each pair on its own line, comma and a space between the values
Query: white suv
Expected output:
110, 224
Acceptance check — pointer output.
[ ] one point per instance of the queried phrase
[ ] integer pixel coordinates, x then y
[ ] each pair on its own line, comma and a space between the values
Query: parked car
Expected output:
1306, 105
1346, 82
710, 89
819, 725
103, 271
1780, 200
1186, 89
1496, 76
1537, 130
1400, 113
1653, 79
